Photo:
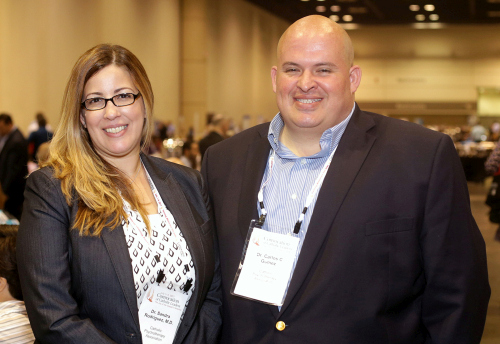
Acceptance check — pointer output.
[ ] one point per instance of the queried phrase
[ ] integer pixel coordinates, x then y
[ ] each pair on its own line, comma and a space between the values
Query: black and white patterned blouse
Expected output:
164, 249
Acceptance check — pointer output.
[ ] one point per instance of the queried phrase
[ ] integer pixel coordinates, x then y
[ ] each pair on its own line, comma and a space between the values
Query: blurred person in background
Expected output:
492, 168
107, 230
39, 136
13, 165
190, 155
494, 131
215, 133
14, 324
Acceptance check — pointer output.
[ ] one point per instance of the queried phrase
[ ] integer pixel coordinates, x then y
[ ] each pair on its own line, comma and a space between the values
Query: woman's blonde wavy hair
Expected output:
98, 186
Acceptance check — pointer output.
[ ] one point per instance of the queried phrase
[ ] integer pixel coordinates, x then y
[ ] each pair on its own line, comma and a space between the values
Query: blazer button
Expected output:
280, 325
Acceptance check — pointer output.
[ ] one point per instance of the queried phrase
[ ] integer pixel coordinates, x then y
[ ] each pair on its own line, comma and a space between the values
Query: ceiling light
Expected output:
320, 0
335, 17
320, 9
420, 17
335, 8
347, 18
412, 7
304, 0
434, 17
429, 8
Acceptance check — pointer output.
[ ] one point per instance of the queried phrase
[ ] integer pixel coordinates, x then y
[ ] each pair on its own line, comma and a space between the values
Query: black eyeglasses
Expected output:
99, 103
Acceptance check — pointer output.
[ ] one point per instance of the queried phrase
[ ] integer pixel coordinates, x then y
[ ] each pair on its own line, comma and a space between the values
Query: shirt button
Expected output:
303, 161
294, 196
280, 325
275, 140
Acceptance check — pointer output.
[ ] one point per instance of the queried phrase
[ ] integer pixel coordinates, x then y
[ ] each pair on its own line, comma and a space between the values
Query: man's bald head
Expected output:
317, 26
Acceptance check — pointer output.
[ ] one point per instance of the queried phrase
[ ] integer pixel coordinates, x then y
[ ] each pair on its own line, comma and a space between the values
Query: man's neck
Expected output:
303, 143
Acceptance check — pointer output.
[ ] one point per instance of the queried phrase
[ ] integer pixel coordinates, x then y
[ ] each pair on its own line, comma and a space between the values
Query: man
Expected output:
39, 136
14, 324
13, 165
388, 251
190, 152
216, 128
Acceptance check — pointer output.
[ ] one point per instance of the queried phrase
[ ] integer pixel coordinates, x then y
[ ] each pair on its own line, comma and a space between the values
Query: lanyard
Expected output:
314, 190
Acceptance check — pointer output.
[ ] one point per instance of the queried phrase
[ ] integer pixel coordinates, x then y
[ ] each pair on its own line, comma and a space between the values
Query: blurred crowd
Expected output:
22, 154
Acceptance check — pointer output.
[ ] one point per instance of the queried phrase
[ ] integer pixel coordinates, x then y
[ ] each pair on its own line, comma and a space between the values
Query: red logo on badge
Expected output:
150, 295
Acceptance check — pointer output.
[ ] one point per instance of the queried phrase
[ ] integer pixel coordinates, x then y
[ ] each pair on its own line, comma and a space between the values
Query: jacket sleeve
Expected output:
456, 296
16, 160
43, 254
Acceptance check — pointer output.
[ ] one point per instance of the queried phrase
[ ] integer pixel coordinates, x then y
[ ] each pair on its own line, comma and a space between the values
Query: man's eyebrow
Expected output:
289, 64
319, 64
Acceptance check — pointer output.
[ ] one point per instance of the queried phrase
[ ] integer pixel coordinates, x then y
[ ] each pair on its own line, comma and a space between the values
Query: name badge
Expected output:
266, 266
160, 314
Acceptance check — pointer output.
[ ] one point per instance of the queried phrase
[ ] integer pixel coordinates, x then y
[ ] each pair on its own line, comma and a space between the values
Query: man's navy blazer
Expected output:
392, 253
80, 289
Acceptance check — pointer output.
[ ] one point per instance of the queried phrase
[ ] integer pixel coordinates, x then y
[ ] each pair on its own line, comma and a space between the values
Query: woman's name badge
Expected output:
160, 314
266, 266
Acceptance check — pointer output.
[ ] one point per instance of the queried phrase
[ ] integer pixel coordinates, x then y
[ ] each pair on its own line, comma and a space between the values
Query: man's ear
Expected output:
354, 78
274, 72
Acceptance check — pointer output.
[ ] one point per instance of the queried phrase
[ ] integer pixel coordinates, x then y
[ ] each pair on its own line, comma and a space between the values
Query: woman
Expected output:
107, 231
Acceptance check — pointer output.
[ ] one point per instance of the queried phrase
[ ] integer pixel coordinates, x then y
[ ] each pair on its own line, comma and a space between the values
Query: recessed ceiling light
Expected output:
335, 17
347, 18
429, 8
420, 17
320, 0
412, 7
304, 0
434, 17
335, 8
320, 9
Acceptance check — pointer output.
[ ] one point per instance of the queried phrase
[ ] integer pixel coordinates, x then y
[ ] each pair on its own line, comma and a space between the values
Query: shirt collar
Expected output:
328, 141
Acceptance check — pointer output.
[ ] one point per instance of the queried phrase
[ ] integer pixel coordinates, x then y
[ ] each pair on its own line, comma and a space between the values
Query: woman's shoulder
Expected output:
168, 167
44, 174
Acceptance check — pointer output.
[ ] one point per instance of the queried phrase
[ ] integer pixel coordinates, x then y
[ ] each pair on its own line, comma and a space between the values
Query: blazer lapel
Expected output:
353, 148
176, 202
118, 251
255, 165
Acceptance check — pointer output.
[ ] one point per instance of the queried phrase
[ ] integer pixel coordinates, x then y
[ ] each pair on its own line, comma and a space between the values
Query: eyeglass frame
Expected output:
106, 100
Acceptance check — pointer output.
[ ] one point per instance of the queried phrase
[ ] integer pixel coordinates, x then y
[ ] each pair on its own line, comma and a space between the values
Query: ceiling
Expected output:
388, 12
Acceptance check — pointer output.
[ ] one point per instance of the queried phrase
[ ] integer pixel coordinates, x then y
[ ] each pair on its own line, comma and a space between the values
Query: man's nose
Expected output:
306, 81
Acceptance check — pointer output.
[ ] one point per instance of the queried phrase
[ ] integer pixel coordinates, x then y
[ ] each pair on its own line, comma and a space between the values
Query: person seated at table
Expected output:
14, 324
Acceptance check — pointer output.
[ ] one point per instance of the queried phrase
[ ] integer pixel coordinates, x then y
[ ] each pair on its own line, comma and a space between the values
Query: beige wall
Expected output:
404, 64
40, 40
241, 51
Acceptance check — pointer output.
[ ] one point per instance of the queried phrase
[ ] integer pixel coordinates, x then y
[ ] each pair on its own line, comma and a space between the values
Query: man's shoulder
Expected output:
245, 137
394, 128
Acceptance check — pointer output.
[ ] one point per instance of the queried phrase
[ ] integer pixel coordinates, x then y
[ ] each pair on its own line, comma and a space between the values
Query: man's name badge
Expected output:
160, 314
266, 266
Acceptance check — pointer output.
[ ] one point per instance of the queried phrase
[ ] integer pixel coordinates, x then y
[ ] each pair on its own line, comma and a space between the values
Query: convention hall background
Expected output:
215, 56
